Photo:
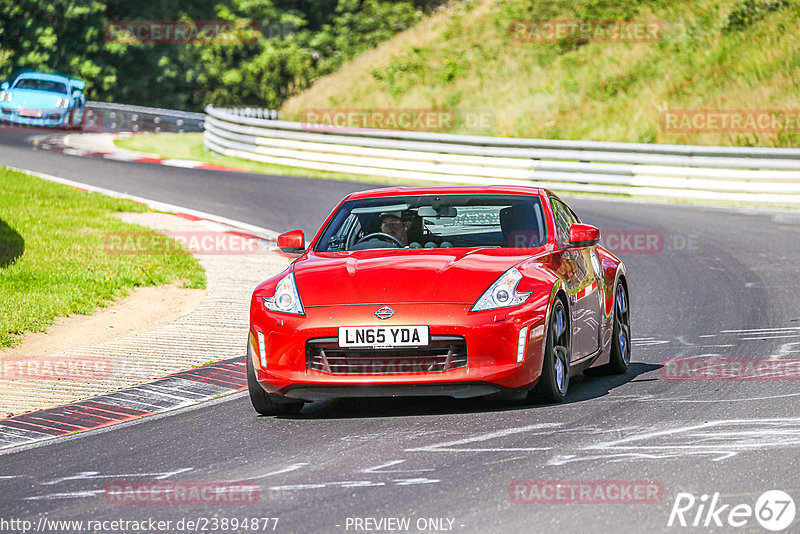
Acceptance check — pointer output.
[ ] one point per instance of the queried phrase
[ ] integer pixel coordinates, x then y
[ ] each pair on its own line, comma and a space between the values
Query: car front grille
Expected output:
441, 354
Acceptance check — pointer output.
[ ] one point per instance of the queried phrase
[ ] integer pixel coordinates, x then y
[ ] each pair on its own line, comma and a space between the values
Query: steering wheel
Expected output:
382, 236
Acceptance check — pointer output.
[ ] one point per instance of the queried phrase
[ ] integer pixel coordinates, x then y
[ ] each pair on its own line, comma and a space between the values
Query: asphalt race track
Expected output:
722, 282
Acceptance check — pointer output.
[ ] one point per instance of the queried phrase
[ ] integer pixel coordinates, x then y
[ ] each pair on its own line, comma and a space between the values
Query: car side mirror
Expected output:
583, 235
76, 94
292, 242
4, 86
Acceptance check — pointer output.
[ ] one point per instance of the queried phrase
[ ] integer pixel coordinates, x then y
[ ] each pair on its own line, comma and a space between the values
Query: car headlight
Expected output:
502, 293
62, 103
286, 298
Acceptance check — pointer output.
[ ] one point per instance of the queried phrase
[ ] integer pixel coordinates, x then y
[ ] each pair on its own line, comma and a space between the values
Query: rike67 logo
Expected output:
774, 510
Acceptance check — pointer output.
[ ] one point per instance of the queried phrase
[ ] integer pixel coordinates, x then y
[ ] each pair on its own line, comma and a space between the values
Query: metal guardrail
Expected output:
255, 113
104, 116
769, 175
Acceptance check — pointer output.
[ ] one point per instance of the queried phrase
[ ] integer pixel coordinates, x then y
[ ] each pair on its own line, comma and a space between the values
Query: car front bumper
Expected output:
48, 118
491, 339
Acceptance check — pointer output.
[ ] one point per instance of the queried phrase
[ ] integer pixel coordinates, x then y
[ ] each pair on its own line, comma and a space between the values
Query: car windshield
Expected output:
436, 221
41, 85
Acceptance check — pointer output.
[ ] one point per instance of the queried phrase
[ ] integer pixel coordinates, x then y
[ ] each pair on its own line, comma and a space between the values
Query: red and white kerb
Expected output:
586, 291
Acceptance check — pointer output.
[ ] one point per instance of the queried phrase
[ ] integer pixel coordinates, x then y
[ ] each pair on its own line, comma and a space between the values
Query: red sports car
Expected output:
455, 291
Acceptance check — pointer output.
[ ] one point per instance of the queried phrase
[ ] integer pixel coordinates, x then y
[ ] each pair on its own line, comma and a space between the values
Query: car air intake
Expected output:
441, 354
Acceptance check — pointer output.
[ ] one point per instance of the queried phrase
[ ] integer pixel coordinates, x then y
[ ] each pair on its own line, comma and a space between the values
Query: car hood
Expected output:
27, 99
401, 276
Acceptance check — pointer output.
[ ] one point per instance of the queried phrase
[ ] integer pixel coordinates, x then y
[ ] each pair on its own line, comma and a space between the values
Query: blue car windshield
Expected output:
436, 221
41, 85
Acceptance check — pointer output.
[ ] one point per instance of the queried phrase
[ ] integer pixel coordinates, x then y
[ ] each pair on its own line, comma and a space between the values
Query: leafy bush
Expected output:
402, 72
299, 41
751, 11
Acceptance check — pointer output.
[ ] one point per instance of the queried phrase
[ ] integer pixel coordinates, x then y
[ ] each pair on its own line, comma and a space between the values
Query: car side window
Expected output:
564, 218
346, 235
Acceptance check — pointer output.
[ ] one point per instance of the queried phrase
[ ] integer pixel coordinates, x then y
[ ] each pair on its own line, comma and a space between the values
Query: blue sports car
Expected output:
43, 100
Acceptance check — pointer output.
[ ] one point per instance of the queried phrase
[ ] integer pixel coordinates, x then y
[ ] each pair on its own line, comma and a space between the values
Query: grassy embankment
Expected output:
54, 258
712, 54
190, 146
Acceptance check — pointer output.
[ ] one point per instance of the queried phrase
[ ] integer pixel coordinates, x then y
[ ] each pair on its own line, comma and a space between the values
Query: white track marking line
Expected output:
769, 337
650, 398
415, 481
697, 427
342, 484
65, 495
91, 475
184, 163
288, 469
380, 468
736, 435
760, 330
505, 460
453, 446
155, 204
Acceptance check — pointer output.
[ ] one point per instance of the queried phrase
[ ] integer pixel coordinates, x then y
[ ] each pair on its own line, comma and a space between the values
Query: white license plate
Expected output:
383, 336
30, 113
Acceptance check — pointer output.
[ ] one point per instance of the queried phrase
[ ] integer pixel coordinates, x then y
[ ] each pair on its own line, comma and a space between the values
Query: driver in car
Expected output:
392, 224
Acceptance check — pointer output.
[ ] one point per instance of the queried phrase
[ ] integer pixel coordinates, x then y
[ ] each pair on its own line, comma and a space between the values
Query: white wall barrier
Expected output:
768, 175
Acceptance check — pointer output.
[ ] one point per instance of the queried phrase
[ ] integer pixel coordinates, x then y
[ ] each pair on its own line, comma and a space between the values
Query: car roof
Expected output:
449, 190
44, 76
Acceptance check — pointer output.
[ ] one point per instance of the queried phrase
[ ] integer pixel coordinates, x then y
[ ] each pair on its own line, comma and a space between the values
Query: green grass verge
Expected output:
190, 146
54, 261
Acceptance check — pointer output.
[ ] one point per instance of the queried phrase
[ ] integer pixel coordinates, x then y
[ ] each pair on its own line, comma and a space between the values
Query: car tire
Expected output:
554, 381
621, 337
620, 358
263, 402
